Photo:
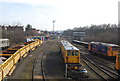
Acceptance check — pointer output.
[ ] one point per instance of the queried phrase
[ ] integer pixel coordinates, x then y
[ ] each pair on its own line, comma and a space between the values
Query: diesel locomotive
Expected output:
71, 56
103, 48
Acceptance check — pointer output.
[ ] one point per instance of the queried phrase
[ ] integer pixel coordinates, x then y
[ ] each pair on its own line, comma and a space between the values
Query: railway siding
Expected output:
49, 63
37, 73
38, 63
25, 67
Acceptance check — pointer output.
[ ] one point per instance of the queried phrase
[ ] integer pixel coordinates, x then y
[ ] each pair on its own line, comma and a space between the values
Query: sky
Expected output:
67, 13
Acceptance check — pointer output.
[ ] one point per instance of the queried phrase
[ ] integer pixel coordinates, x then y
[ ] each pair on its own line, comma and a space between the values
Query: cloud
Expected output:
71, 13
34, 2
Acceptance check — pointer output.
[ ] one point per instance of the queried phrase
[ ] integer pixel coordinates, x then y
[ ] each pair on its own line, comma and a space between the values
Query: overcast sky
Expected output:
67, 13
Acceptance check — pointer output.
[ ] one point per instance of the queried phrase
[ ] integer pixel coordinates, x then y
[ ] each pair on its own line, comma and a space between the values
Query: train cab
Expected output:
115, 50
73, 58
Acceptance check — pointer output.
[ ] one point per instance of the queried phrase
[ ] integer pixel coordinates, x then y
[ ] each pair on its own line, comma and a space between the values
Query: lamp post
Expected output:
0, 38
53, 26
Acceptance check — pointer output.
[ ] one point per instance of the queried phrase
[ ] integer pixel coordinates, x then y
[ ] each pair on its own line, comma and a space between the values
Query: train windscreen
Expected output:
115, 48
72, 53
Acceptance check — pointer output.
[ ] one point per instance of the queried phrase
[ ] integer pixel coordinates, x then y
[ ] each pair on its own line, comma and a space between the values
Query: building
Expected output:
14, 28
78, 35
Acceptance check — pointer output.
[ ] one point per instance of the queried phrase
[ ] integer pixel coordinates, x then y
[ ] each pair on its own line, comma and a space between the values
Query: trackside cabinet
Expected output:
118, 63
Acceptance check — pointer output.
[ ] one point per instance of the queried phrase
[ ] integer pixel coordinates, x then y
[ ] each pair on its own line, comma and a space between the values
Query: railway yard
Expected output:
45, 62
60, 40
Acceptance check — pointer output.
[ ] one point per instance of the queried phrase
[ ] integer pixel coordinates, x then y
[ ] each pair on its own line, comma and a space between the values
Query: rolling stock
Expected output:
39, 37
81, 43
12, 50
100, 47
4, 43
29, 39
71, 56
18, 52
104, 49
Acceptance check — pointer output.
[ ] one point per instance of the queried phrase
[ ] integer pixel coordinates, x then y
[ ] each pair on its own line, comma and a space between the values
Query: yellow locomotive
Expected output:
71, 56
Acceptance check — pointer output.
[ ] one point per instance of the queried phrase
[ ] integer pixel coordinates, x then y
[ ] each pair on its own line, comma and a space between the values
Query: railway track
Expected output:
101, 69
104, 62
105, 74
38, 66
42, 68
101, 62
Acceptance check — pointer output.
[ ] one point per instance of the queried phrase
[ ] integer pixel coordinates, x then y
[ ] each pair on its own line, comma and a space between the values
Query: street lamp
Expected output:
53, 26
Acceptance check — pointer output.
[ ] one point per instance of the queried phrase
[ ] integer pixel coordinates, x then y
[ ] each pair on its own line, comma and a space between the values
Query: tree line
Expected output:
104, 33
16, 34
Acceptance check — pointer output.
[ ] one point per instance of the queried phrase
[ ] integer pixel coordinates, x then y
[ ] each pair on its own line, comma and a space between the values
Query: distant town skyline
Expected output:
67, 13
